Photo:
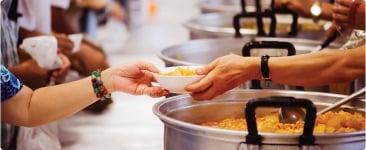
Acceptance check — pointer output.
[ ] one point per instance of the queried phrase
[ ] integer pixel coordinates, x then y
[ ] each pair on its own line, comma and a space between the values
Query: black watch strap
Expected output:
264, 67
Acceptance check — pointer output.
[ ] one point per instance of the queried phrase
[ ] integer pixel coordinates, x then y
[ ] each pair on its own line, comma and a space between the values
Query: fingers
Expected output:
62, 71
155, 91
201, 85
341, 10
63, 42
147, 66
205, 95
346, 3
340, 18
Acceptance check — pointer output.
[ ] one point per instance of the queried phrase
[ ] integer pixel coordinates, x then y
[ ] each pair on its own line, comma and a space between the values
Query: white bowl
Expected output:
176, 84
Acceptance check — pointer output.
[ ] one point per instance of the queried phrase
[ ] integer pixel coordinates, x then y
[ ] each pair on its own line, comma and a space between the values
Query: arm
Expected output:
31, 74
32, 108
302, 7
312, 69
60, 23
319, 68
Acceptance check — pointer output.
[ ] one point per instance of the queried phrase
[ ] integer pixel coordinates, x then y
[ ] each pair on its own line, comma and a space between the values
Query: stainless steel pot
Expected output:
203, 51
181, 114
216, 25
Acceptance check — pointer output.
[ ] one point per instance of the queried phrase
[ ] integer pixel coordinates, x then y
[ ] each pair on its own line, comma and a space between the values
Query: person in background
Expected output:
36, 21
39, 19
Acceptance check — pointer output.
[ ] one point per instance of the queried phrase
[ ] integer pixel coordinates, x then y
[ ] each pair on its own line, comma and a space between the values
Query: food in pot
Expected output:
330, 122
181, 71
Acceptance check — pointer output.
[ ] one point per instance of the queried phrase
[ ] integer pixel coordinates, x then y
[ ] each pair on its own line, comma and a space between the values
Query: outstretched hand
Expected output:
134, 78
223, 74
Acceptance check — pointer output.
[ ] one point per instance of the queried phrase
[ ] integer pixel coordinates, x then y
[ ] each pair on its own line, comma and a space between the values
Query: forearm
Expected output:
60, 101
44, 105
318, 68
28, 77
60, 23
24, 33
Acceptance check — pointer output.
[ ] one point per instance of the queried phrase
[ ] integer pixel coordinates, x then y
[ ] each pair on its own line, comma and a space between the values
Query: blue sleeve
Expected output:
10, 84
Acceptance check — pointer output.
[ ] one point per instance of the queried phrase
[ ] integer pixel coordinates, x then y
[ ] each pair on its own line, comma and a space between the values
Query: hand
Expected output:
223, 74
64, 44
59, 74
301, 7
344, 13
117, 11
134, 79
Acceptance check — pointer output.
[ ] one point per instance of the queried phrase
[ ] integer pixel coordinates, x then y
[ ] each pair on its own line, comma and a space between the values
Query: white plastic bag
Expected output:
76, 39
39, 138
43, 50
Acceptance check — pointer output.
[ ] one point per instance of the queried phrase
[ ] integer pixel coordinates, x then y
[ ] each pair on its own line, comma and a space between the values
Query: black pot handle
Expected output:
258, 15
307, 137
295, 16
243, 5
255, 84
268, 44
238, 17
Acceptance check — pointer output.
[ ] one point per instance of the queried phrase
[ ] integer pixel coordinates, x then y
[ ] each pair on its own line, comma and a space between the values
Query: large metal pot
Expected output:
181, 114
203, 51
216, 25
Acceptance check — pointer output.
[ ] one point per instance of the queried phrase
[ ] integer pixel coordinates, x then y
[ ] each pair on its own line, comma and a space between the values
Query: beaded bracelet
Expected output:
99, 89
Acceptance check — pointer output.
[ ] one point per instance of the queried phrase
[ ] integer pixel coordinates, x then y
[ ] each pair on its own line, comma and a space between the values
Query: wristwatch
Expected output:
264, 68
316, 10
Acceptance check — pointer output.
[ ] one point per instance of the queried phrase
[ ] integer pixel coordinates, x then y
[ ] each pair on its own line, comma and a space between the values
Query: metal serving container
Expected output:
203, 51
182, 115
216, 25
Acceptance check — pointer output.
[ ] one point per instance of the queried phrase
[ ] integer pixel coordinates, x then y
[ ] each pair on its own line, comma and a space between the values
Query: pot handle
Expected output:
285, 10
307, 137
258, 15
268, 44
243, 5
255, 84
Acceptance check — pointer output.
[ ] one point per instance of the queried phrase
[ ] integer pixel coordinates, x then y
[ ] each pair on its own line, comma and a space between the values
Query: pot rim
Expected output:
168, 120
198, 41
193, 25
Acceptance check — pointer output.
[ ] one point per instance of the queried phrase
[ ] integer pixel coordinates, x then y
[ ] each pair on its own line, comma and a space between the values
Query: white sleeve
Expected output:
36, 16
28, 18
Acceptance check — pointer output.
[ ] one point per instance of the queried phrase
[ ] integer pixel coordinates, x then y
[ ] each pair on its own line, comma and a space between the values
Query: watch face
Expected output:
316, 9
